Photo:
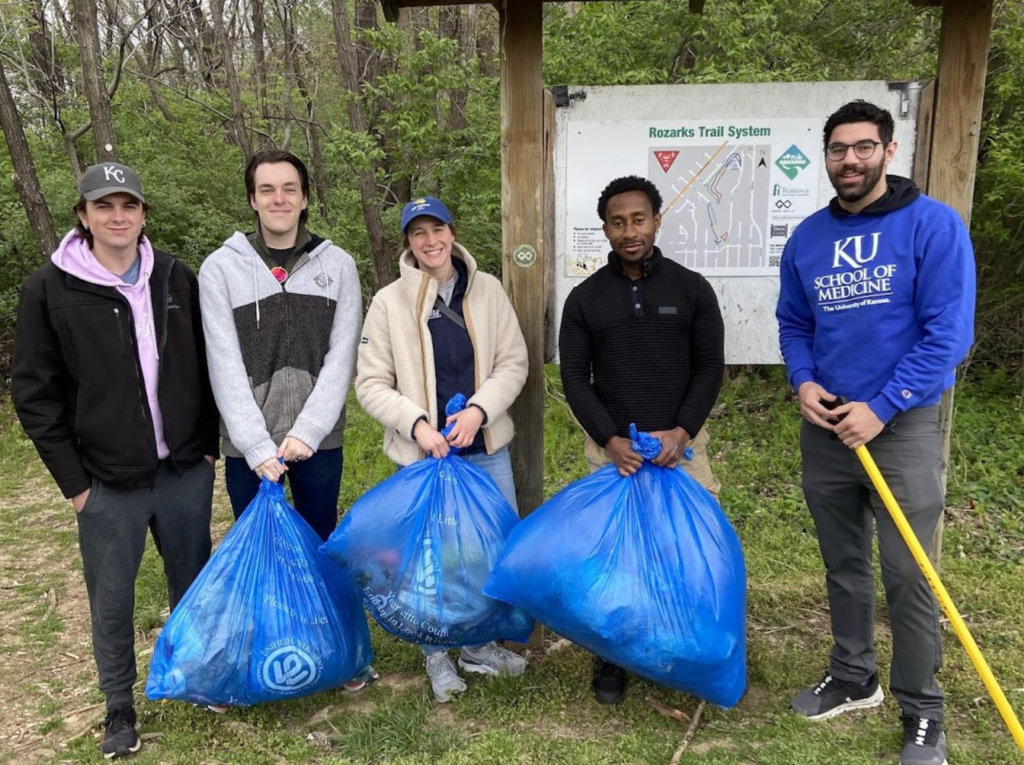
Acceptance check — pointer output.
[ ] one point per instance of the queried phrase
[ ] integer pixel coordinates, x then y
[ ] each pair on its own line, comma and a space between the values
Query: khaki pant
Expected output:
699, 468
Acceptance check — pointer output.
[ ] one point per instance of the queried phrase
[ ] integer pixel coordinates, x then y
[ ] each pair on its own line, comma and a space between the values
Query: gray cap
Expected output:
110, 178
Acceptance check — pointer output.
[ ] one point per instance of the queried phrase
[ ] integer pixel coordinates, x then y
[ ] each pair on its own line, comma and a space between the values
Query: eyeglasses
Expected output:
862, 149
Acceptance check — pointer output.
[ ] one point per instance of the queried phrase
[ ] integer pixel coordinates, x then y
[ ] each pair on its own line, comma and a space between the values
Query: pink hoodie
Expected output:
74, 257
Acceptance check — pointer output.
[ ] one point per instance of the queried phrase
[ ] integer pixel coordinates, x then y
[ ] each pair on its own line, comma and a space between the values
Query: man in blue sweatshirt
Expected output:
876, 306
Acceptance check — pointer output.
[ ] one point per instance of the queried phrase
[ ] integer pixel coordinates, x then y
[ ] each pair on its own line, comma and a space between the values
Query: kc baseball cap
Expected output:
110, 178
431, 206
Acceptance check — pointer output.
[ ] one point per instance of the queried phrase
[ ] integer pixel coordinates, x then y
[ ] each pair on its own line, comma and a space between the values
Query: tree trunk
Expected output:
25, 178
313, 131
486, 45
71, 148
419, 20
193, 27
448, 22
467, 30
259, 62
175, 45
283, 15
467, 43
367, 60
48, 74
92, 78
380, 248
237, 114
110, 6
151, 58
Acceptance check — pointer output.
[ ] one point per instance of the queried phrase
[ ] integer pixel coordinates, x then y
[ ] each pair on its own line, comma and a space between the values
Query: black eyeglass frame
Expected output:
829, 150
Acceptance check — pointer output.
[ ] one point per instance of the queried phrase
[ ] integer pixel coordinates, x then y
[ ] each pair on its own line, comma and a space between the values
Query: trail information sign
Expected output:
739, 167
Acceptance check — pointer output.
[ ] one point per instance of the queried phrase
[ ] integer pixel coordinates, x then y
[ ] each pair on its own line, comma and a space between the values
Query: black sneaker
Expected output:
833, 696
924, 743
121, 739
609, 682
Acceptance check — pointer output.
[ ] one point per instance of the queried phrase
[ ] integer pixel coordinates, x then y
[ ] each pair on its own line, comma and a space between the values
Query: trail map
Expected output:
733, 191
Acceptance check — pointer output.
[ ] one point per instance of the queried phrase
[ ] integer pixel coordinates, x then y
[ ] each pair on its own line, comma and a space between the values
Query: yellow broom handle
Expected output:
944, 600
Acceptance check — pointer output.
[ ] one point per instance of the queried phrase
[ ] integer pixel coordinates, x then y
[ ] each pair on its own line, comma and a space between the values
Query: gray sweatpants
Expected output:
845, 507
112, 538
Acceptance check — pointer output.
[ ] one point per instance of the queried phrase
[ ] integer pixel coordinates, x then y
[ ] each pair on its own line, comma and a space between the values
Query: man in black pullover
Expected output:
641, 341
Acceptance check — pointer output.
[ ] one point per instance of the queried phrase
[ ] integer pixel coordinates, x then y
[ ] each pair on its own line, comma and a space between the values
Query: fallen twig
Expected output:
666, 710
688, 736
81, 710
779, 629
33, 741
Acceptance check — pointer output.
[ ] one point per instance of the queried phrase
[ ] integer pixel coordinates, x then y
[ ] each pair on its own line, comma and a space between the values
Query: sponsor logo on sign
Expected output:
666, 158
792, 162
778, 190
780, 230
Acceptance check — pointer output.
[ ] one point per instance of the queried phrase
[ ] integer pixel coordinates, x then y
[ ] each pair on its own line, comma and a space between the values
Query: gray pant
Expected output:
845, 506
112, 538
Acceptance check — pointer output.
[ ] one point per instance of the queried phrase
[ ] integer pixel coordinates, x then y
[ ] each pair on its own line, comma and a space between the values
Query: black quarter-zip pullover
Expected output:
648, 351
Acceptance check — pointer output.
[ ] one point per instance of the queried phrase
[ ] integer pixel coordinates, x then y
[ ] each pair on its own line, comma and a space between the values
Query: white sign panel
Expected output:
728, 214
733, 190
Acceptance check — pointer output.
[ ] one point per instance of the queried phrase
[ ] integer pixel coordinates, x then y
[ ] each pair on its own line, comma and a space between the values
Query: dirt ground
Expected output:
49, 675
51, 695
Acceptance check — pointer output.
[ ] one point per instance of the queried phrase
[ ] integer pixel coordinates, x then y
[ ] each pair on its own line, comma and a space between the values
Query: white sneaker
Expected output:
444, 679
491, 659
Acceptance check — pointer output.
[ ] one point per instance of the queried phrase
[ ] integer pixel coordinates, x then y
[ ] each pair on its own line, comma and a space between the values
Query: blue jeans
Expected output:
499, 467
315, 483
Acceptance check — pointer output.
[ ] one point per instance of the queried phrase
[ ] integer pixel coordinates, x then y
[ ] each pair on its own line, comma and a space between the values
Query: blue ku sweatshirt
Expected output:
878, 306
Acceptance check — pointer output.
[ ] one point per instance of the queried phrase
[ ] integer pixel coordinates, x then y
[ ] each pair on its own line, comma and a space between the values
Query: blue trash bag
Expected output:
268, 618
421, 545
645, 571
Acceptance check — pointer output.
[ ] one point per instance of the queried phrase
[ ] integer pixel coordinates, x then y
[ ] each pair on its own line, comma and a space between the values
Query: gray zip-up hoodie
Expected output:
281, 356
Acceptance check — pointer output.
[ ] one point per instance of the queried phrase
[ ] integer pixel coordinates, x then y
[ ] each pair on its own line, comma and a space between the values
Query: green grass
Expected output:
549, 715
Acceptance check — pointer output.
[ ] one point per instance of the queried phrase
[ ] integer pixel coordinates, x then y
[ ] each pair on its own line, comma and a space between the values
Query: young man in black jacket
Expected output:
641, 341
109, 381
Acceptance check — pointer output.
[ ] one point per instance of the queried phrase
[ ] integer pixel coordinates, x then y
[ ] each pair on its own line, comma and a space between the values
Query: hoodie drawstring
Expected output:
256, 288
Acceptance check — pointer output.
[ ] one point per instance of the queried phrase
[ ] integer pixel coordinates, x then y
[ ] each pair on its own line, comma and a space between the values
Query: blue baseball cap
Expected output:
431, 206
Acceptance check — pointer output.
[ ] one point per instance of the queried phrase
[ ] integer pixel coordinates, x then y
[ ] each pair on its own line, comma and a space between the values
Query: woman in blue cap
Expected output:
444, 328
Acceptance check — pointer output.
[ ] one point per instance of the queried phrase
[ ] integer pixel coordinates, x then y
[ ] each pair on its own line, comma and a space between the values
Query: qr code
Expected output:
781, 230
774, 261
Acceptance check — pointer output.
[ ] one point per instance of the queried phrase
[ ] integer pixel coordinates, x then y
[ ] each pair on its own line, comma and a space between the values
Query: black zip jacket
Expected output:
77, 382
650, 351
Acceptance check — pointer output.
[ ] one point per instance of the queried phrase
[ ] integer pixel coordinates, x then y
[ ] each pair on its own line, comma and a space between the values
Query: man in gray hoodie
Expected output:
282, 313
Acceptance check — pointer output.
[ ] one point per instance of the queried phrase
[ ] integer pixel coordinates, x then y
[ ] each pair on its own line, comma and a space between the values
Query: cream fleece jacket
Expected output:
395, 378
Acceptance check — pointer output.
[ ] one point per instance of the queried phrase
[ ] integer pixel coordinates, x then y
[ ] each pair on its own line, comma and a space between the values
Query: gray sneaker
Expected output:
491, 659
833, 696
444, 679
924, 743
